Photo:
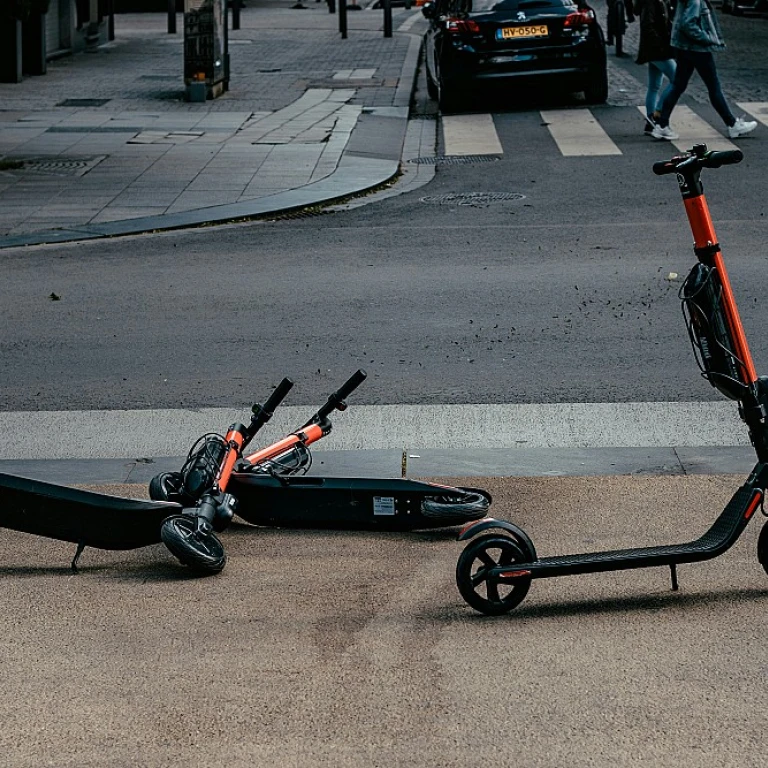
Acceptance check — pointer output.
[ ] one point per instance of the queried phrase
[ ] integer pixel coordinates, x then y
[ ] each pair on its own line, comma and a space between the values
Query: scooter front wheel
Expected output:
762, 547
196, 548
456, 506
489, 594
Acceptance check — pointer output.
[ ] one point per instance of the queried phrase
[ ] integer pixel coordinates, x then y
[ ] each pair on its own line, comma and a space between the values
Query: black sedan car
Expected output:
470, 42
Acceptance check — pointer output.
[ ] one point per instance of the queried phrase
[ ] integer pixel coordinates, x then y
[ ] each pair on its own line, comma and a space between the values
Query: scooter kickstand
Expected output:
673, 571
73, 564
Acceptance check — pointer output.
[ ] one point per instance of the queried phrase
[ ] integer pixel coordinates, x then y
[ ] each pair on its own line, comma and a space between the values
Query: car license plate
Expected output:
532, 30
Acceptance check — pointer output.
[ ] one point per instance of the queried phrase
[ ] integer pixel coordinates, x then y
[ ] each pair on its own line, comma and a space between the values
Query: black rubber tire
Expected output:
432, 90
450, 102
166, 487
762, 547
484, 596
463, 505
202, 552
449, 96
596, 91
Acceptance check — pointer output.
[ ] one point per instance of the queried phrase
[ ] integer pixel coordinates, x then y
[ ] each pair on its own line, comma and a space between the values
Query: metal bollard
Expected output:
387, 4
171, 17
343, 19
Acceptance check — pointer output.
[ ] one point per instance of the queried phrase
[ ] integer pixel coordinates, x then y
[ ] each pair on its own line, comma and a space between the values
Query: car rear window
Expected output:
515, 5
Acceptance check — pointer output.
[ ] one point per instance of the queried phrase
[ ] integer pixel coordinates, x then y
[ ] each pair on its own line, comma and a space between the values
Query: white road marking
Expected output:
155, 433
694, 130
757, 109
578, 133
470, 135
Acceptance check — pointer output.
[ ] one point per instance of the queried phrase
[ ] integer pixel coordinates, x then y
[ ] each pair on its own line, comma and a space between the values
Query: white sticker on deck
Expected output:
383, 505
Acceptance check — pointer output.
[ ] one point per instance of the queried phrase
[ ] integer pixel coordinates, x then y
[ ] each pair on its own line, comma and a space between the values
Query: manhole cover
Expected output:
471, 198
83, 102
62, 166
456, 159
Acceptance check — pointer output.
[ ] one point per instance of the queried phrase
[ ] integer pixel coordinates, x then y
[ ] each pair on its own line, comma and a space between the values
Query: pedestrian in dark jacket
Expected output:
655, 51
695, 35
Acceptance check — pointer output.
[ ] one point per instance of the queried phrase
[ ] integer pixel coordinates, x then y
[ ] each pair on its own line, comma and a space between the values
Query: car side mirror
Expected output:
428, 10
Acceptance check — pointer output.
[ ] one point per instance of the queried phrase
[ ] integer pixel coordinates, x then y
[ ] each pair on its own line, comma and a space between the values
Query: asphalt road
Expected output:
564, 296
559, 292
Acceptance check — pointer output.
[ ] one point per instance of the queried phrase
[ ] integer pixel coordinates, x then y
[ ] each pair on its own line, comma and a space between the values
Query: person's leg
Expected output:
683, 72
654, 87
705, 66
667, 67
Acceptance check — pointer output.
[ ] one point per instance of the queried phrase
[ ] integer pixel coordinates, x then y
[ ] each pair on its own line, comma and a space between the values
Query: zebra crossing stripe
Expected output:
470, 135
758, 110
578, 133
695, 130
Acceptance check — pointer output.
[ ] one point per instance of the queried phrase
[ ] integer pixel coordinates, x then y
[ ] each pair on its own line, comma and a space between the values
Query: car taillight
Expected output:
457, 26
579, 18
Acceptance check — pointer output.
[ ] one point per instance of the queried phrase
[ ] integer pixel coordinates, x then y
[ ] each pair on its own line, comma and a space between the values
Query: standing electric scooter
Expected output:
495, 570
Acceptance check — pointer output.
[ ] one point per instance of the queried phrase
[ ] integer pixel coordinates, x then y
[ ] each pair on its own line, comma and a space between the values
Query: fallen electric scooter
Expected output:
270, 487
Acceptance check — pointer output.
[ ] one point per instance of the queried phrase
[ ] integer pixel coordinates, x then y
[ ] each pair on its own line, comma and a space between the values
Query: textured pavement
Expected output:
107, 144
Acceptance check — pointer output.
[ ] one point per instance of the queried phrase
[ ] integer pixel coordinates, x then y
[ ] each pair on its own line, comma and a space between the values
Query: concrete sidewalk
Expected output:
108, 145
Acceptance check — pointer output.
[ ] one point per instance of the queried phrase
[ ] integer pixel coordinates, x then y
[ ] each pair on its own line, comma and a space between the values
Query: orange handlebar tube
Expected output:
703, 236
308, 435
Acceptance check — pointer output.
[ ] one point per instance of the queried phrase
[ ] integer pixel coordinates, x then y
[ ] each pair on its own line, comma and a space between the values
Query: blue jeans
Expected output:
657, 70
703, 63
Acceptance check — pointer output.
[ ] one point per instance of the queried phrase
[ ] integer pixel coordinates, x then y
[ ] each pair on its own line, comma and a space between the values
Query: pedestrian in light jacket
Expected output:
655, 51
695, 36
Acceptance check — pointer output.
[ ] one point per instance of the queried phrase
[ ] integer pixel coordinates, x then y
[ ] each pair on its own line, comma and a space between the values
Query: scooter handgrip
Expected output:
277, 397
718, 157
349, 386
664, 167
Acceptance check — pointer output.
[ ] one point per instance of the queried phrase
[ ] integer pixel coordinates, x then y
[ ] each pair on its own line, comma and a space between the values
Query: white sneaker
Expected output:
741, 127
664, 133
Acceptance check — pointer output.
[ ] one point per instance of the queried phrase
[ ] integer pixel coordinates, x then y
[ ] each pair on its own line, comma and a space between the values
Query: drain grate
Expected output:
471, 198
455, 159
83, 102
62, 166
94, 129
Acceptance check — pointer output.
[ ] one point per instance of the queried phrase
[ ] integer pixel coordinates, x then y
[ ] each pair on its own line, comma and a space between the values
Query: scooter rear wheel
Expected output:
200, 550
166, 487
492, 596
457, 506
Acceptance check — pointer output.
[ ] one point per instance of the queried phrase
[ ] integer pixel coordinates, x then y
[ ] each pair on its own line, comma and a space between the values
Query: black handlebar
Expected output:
277, 397
698, 158
351, 384
336, 401
263, 413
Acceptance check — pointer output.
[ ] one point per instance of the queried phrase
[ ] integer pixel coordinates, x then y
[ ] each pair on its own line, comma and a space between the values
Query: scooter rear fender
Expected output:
477, 527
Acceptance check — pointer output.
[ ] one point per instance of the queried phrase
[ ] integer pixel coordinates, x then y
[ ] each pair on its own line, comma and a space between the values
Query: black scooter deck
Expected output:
344, 503
718, 539
82, 517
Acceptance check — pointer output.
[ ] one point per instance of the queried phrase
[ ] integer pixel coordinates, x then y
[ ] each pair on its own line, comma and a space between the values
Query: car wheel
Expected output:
596, 91
432, 89
449, 98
